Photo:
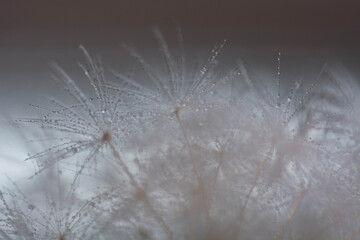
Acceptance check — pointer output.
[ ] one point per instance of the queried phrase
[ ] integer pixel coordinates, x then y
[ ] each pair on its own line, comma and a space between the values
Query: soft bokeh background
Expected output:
33, 33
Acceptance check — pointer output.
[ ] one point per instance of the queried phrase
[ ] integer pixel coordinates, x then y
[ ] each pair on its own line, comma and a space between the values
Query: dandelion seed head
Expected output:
144, 233
106, 137
183, 165
62, 237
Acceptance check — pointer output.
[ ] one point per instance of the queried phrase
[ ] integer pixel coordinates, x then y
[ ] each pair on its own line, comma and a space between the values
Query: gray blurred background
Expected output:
33, 33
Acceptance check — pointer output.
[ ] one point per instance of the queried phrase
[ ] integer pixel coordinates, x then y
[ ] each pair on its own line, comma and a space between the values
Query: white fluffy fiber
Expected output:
188, 159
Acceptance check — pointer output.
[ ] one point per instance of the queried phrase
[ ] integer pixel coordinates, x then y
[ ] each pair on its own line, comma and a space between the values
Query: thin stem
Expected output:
258, 175
290, 215
210, 198
353, 236
177, 113
144, 197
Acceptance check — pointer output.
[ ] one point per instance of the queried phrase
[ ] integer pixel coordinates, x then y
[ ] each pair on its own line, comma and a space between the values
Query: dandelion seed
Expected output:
176, 89
231, 172
282, 144
58, 215
92, 124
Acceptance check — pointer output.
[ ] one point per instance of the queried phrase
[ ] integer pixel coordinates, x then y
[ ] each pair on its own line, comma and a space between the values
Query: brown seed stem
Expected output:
212, 189
177, 113
290, 215
353, 236
141, 192
258, 175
